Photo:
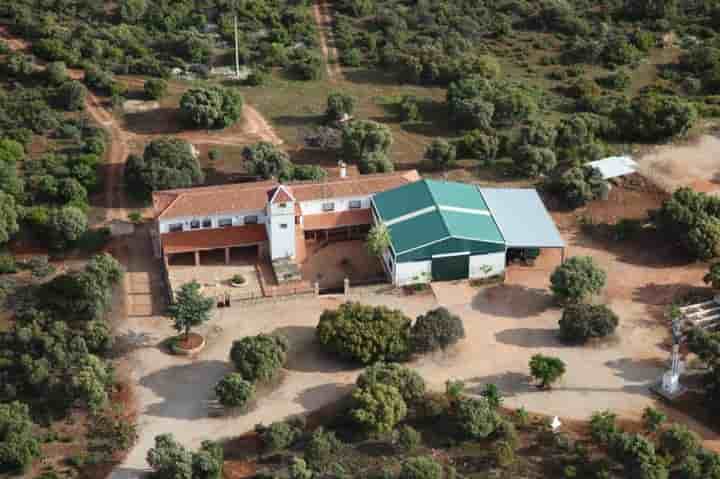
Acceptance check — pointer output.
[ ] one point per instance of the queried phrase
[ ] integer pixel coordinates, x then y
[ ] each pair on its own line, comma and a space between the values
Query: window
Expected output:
283, 226
175, 227
251, 220
224, 222
355, 204
207, 223
283, 205
194, 224
328, 207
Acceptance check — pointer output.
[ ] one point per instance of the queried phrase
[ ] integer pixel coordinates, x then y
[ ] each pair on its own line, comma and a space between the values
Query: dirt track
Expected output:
323, 18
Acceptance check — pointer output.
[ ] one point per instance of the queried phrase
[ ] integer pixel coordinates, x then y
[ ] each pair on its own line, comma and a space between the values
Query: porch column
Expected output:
197, 258
227, 255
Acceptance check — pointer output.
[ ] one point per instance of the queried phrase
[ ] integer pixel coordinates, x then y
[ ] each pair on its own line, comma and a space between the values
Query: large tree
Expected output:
8, 217
365, 141
189, 308
378, 407
66, 225
577, 279
268, 161
259, 358
18, 446
211, 107
166, 163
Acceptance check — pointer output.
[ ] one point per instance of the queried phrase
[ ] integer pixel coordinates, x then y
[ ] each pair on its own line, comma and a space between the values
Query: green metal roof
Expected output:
428, 211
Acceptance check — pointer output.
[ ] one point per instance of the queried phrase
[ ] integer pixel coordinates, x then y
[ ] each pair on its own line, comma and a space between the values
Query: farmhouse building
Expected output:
439, 230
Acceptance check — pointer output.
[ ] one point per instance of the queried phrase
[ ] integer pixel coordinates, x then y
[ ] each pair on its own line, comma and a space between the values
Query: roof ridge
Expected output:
436, 203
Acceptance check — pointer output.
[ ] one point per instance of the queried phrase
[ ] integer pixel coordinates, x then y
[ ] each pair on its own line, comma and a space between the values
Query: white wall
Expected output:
237, 218
485, 265
282, 240
341, 204
414, 272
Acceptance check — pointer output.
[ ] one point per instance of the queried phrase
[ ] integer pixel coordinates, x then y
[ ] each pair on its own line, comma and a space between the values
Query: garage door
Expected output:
449, 268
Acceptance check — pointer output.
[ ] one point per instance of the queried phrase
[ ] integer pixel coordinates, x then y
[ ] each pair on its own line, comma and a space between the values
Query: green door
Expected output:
449, 268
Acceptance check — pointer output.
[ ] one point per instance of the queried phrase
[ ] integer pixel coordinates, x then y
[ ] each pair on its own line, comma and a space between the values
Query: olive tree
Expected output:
189, 308
712, 277
534, 161
577, 279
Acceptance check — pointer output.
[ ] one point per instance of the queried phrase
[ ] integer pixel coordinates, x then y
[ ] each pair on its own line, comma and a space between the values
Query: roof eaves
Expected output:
492, 215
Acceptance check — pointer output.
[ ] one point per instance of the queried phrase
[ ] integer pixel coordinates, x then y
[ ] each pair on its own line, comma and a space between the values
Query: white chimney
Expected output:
343, 169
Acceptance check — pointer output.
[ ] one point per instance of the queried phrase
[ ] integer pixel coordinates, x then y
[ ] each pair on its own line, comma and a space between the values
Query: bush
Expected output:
533, 161
278, 436
18, 446
492, 394
321, 447
339, 106
577, 279
437, 329
212, 107
504, 453
652, 418
408, 438
603, 426
410, 384
166, 163
365, 334
678, 442
70, 96
581, 322
56, 73
234, 391
66, 225
579, 185
268, 161
480, 146
546, 369
7, 264
420, 468
378, 407
476, 418
441, 155
259, 358
155, 88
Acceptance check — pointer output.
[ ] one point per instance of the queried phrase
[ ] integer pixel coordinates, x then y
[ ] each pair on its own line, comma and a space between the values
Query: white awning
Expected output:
615, 166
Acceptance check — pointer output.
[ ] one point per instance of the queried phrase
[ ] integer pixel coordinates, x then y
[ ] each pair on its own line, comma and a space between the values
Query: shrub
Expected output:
259, 358
66, 225
441, 155
578, 185
492, 394
533, 161
504, 453
476, 418
278, 436
299, 470
409, 108
577, 279
420, 468
652, 418
603, 427
339, 106
234, 391
56, 73
408, 438
365, 334
7, 264
581, 322
678, 442
691, 219
213, 107
18, 446
480, 146
70, 96
546, 369
268, 161
436, 329
378, 407
363, 140
155, 88
321, 447
410, 384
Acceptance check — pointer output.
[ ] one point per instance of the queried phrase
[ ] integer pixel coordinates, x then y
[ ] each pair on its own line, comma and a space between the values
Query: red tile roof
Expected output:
204, 201
326, 221
197, 240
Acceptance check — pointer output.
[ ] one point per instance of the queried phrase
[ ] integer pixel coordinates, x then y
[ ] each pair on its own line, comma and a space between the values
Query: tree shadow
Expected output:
512, 300
298, 120
312, 398
131, 341
637, 370
529, 338
186, 390
305, 355
658, 298
161, 121
367, 76
509, 383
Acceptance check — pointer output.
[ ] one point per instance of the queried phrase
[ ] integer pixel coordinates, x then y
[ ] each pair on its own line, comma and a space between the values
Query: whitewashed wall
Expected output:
237, 218
485, 265
414, 272
282, 240
341, 204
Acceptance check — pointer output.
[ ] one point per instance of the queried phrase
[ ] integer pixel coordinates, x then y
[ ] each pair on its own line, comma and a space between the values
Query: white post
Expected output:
237, 48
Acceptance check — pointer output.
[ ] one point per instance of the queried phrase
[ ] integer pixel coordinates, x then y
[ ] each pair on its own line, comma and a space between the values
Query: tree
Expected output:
268, 161
72, 192
653, 419
212, 107
473, 113
409, 438
410, 384
365, 334
340, 106
166, 163
234, 391
278, 435
441, 155
654, 118
131, 11
18, 446
259, 358
321, 447
436, 329
8, 217
546, 369
378, 407
56, 73
577, 279
579, 185
12, 153
713, 276
66, 225
480, 146
422, 467
678, 442
538, 133
581, 322
169, 459
363, 138
476, 418
190, 308
534, 161
207, 462
378, 239
155, 88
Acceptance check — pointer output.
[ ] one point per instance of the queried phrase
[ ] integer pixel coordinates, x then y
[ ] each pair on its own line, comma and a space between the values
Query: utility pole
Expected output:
237, 47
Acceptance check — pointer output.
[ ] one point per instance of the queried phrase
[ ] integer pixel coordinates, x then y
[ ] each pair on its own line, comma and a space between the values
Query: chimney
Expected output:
343, 169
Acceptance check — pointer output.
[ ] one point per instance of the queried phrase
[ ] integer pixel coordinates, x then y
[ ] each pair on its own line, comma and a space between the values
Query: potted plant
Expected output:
237, 280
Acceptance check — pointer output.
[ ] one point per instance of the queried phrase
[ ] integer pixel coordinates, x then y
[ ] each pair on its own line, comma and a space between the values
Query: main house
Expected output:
439, 230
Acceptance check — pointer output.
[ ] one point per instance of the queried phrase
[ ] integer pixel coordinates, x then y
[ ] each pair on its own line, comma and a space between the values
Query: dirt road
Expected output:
323, 18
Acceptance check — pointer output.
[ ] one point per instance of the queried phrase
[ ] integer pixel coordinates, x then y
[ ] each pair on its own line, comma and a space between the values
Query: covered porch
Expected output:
194, 247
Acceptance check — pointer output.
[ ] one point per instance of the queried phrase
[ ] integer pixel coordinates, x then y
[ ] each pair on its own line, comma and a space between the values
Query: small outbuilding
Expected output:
442, 231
